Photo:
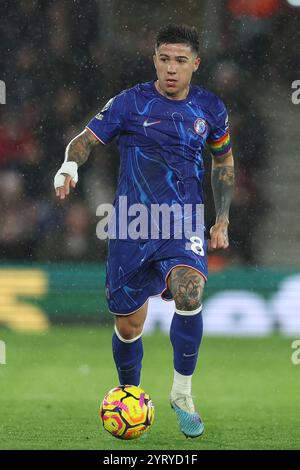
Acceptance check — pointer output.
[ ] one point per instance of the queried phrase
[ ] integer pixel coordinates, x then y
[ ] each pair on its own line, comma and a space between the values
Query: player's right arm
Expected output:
102, 128
77, 153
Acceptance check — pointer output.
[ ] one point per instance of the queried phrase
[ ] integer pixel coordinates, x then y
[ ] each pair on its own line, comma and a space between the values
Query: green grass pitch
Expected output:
247, 391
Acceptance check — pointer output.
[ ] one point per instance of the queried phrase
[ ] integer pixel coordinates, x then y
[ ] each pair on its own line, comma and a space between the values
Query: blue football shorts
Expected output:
138, 270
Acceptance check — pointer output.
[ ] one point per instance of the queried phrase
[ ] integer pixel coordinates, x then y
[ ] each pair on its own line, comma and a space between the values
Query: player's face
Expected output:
175, 64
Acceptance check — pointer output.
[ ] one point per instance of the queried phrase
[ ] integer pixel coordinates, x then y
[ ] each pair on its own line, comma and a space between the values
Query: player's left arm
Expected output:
222, 181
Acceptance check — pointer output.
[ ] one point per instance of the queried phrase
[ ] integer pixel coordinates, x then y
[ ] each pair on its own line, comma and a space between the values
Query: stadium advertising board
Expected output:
237, 302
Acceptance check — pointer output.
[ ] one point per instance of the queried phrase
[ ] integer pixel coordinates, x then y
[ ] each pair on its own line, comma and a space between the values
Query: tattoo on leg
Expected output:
186, 286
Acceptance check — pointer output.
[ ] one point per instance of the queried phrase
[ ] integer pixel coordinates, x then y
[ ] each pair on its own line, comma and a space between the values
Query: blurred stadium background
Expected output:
61, 61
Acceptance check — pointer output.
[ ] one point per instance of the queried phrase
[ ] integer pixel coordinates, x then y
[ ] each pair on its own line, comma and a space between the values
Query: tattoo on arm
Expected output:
80, 147
222, 181
186, 286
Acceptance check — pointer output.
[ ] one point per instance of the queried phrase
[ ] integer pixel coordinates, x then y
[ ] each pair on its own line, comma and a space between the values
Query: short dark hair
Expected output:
182, 34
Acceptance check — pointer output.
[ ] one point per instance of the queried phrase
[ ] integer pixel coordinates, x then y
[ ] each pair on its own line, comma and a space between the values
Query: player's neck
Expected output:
178, 97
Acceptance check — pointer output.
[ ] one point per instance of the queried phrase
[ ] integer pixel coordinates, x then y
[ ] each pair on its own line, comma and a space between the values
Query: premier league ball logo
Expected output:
200, 126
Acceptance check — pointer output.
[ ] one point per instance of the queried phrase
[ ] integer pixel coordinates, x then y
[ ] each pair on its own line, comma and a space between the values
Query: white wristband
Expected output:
69, 168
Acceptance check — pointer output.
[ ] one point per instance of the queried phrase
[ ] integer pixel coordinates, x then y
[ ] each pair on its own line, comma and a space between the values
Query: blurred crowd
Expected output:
58, 73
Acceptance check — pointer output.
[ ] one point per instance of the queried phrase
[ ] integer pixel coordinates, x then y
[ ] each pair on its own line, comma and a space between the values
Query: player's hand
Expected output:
65, 179
64, 190
219, 236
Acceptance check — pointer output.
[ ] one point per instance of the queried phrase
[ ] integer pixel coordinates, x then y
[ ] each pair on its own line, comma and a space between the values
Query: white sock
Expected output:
182, 385
181, 392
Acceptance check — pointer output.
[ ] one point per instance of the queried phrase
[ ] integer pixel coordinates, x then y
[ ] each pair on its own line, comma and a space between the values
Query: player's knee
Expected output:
127, 329
186, 286
188, 301
128, 332
188, 305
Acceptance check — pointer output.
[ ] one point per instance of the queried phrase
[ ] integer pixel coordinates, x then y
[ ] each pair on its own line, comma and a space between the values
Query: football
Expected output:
127, 412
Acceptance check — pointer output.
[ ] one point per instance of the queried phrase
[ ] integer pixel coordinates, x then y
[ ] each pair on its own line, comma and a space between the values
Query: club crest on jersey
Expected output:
200, 126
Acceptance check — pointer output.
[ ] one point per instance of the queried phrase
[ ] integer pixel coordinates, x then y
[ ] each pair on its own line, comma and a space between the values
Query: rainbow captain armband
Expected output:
220, 146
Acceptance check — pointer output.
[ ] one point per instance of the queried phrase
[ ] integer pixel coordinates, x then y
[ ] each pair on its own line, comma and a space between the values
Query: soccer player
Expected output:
162, 127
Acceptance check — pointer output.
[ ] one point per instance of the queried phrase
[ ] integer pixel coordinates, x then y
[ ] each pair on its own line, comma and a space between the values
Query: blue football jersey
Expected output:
161, 142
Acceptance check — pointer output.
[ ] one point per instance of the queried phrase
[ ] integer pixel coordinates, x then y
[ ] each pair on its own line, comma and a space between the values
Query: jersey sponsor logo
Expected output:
147, 124
200, 126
